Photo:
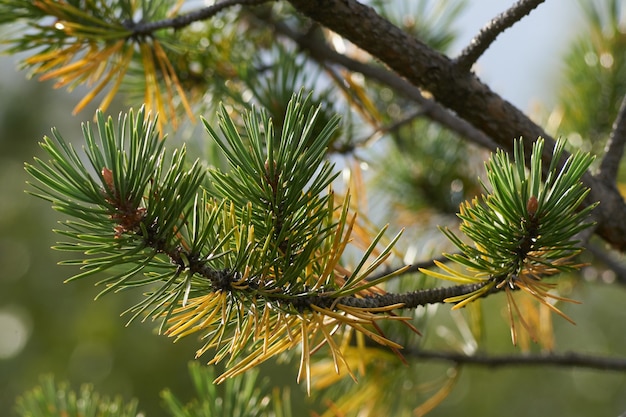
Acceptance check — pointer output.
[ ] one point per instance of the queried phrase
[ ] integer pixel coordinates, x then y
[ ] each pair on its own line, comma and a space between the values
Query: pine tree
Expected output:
264, 251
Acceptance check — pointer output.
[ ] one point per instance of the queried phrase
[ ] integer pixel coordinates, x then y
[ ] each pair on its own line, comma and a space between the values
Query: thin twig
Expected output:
481, 42
177, 22
614, 149
568, 360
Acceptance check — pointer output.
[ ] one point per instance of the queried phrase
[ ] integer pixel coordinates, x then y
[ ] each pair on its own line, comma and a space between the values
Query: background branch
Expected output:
481, 42
147, 28
610, 261
569, 359
614, 149
321, 52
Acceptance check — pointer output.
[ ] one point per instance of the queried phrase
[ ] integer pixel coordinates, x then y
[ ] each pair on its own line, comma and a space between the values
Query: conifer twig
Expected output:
614, 149
177, 22
481, 42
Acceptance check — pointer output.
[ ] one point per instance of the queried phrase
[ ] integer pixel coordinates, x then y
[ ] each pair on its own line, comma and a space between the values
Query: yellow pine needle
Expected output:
184, 323
151, 96
511, 303
436, 399
118, 71
358, 402
265, 320
366, 311
254, 359
327, 323
89, 64
551, 306
54, 55
339, 316
224, 309
465, 299
305, 363
376, 337
76, 68
172, 78
340, 242
454, 276
103, 32
287, 322
334, 349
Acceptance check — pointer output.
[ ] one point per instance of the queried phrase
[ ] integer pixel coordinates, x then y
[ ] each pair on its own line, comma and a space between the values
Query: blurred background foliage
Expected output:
419, 172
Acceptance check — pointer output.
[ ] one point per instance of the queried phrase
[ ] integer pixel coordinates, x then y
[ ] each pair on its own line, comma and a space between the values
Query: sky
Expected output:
523, 64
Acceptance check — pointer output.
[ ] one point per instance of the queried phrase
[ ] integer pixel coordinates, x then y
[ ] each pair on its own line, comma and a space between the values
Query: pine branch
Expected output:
563, 360
178, 22
258, 258
614, 149
488, 34
228, 280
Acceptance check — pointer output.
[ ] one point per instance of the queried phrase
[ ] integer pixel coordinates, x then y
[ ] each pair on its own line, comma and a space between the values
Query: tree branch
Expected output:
225, 279
460, 91
321, 52
614, 149
147, 28
611, 262
481, 42
569, 359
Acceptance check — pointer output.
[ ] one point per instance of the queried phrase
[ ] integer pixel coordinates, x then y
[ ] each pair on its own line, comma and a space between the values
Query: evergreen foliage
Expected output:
261, 251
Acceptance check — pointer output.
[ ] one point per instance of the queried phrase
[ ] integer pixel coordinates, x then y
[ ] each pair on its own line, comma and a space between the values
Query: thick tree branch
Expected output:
567, 360
460, 91
481, 42
614, 148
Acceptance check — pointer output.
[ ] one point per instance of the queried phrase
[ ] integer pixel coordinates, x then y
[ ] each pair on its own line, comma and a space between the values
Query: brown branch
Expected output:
460, 91
178, 22
488, 34
225, 278
569, 359
321, 52
614, 149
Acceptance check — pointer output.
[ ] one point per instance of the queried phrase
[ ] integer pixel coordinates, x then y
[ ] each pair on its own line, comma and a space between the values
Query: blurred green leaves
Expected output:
247, 395
52, 399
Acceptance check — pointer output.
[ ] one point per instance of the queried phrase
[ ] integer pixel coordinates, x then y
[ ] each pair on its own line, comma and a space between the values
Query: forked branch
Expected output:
481, 42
